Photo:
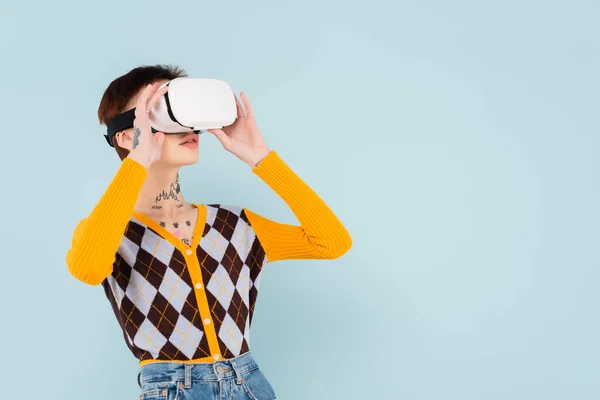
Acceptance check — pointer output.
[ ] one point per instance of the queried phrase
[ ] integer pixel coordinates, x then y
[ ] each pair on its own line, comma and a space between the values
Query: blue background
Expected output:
458, 141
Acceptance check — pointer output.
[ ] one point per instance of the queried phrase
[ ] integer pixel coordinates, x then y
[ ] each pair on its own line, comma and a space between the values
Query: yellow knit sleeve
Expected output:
97, 237
320, 235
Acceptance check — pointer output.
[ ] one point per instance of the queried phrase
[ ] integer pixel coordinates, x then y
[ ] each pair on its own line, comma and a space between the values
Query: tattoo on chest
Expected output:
175, 224
177, 232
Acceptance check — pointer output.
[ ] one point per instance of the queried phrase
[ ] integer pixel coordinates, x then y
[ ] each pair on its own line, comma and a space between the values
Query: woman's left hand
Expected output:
242, 138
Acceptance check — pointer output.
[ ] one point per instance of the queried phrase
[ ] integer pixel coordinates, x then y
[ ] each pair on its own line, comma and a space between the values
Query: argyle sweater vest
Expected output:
199, 305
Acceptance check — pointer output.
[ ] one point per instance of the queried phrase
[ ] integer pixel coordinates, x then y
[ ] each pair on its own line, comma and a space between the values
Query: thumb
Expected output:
222, 136
160, 138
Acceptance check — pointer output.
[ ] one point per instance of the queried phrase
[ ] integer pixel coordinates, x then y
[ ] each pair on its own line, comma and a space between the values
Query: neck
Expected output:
161, 194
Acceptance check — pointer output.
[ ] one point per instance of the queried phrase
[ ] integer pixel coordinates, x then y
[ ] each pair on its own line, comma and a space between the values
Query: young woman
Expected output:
182, 278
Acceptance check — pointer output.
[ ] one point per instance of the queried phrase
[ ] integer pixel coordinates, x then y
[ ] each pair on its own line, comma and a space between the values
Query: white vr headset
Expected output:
190, 105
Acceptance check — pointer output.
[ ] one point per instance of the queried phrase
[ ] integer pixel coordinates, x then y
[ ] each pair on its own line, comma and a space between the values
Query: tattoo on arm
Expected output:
136, 137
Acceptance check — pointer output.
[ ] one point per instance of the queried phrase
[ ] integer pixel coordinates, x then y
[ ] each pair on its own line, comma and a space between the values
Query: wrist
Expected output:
258, 157
145, 163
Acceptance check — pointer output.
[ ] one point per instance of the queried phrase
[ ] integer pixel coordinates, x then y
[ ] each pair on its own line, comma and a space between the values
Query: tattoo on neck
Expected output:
156, 207
173, 191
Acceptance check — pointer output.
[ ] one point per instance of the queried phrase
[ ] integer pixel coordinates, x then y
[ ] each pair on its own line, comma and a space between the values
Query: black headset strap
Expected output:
119, 123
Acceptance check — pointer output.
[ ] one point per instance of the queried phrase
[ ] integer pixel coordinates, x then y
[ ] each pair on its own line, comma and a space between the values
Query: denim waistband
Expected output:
173, 371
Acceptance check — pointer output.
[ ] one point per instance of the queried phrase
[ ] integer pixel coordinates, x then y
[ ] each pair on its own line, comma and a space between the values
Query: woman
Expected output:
182, 278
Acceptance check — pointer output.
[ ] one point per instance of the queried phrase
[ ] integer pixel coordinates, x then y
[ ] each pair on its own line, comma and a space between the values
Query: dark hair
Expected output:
122, 89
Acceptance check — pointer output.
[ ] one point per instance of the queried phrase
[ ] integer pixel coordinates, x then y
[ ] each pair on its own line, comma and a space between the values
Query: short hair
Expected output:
122, 89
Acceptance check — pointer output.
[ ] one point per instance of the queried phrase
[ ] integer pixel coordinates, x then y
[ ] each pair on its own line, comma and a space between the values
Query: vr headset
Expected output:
190, 105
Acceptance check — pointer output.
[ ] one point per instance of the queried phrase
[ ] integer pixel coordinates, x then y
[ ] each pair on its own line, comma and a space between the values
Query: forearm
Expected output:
320, 235
96, 238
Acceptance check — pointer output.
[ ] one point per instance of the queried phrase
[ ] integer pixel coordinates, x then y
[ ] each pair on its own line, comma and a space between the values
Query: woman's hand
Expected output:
146, 147
242, 138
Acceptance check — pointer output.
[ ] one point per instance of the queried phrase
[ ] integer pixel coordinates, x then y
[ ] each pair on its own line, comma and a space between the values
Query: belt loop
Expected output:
237, 373
188, 375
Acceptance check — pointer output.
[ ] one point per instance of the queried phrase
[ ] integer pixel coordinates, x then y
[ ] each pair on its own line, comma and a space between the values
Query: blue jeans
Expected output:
232, 379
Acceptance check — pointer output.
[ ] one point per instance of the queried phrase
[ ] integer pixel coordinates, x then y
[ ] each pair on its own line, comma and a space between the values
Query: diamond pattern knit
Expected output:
154, 299
195, 303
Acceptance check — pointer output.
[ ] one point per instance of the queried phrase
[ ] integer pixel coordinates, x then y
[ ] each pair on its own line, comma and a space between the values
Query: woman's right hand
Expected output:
147, 146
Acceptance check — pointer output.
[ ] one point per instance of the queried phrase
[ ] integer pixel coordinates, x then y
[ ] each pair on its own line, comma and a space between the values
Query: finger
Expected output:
222, 136
247, 106
143, 100
156, 97
238, 106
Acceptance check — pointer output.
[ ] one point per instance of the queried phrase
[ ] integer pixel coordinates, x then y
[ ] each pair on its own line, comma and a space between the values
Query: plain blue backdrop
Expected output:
457, 140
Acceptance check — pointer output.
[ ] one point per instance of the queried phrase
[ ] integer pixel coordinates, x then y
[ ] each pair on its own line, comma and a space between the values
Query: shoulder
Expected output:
225, 212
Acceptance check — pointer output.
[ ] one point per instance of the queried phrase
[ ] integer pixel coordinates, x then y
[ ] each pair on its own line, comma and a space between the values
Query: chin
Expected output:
179, 159
186, 161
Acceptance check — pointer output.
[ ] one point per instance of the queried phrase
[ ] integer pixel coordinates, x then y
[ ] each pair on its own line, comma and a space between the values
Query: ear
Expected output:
124, 139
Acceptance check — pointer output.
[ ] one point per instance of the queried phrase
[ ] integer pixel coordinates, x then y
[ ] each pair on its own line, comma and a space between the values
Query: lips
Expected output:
190, 137
191, 145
